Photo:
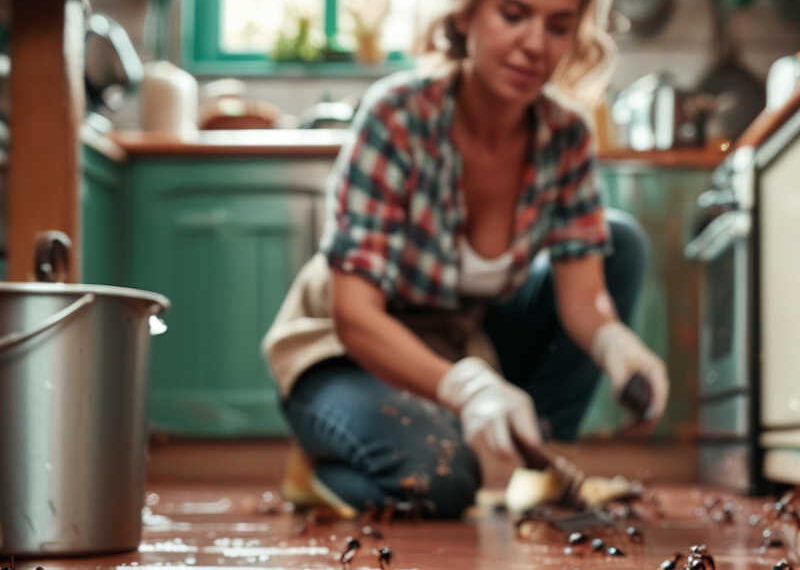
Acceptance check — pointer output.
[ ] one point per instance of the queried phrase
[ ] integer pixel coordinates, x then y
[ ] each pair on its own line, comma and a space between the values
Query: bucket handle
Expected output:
16, 338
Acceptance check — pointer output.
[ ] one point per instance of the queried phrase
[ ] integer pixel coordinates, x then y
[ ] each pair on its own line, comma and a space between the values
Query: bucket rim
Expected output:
81, 289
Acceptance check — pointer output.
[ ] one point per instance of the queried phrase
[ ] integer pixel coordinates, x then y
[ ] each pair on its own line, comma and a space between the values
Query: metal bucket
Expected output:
73, 374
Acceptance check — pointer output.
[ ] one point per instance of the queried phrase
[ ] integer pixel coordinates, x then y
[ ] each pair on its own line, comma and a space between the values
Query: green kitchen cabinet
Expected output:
662, 199
102, 206
222, 238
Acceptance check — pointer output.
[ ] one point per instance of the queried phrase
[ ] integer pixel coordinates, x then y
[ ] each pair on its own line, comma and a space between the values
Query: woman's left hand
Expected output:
618, 351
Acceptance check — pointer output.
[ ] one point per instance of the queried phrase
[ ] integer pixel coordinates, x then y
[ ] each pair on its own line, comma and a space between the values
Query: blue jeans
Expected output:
372, 443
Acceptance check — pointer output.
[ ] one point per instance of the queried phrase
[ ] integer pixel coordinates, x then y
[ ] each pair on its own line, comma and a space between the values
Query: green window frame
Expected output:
202, 54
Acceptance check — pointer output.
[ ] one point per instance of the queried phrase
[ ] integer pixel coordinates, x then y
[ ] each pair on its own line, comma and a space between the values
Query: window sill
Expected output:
271, 69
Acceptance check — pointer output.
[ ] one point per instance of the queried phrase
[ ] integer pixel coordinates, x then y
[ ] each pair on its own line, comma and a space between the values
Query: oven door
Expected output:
727, 454
724, 246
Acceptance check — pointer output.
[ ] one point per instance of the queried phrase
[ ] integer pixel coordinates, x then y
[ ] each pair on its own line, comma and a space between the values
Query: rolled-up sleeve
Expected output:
368, 196
578, 226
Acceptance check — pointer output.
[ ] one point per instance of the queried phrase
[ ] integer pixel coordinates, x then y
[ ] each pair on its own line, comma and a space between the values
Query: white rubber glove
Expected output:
489, 406
618, 351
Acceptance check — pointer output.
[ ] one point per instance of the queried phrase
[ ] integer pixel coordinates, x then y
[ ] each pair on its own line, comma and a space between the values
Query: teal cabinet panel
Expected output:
222, 239
102, 205
667, 312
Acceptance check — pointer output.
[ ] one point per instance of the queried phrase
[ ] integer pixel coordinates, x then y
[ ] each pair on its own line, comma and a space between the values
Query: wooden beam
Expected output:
47, 102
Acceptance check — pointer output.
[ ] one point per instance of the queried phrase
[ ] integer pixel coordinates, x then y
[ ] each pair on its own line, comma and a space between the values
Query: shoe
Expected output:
301, 487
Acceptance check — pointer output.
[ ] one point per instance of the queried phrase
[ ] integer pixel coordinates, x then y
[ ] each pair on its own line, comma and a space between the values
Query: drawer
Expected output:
782, 465
725, 417
780, 438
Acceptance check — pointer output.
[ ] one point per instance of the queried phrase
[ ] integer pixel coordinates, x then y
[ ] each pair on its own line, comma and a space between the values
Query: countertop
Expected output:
102, 144
327, 142
706, 157
769, 121
279, 142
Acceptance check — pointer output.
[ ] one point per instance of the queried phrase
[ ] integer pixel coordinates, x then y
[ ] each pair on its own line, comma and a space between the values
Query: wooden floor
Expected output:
216, 526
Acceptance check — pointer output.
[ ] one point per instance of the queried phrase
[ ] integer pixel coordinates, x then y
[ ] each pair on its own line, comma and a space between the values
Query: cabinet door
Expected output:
102, 198
779, 282
222, 241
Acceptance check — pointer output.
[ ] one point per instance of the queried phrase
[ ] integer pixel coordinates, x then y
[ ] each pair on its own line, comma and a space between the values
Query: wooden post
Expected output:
47, 108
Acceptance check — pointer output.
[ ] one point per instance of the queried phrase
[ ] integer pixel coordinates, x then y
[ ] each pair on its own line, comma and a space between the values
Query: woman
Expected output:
455, 181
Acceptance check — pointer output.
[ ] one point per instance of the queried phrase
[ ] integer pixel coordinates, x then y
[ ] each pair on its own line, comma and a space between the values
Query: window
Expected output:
249, 25
294, 36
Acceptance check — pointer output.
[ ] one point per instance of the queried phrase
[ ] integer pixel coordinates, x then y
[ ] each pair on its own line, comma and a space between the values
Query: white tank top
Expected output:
482, 277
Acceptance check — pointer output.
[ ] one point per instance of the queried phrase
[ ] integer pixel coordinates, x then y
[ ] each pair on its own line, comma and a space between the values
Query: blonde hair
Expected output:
582, 74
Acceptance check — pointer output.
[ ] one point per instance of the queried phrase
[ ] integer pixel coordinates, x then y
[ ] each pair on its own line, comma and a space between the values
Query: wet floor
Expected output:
214, 527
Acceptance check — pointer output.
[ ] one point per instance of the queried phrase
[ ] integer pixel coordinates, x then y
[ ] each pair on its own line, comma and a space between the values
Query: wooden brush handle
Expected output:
637, 396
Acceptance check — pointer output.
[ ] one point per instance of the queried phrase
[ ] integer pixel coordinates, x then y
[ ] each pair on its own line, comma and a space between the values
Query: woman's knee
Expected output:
435, 455
454, 483
390, 437
338, 410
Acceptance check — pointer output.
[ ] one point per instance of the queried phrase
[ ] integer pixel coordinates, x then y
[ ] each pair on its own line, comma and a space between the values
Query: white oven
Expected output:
724, 242
778, 191
748, 239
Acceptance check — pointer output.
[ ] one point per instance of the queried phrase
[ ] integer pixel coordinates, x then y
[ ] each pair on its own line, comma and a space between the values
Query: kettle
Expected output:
782, 80
168, 100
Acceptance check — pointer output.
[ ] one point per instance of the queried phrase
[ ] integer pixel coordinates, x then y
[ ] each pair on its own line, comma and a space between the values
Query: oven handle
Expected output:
718, 235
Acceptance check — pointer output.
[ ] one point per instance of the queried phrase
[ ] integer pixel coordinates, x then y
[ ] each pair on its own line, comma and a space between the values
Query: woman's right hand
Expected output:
491, 409
620, 352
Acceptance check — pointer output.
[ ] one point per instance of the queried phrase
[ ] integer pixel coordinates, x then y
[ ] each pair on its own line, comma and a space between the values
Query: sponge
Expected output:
528, 488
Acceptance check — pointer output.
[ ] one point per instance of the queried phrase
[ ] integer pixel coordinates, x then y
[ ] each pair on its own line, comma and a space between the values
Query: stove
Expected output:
748, 240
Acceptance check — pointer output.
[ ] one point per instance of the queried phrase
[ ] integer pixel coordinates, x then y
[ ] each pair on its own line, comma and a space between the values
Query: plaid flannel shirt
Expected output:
398, 210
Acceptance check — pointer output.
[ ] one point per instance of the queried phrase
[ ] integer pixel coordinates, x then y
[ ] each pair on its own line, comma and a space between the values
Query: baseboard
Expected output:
260, 461
237, 461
